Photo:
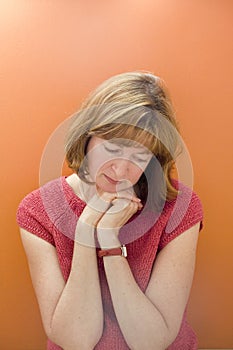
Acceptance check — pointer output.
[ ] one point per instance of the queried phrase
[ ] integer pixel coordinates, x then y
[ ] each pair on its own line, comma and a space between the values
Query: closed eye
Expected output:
141, 160
112, 150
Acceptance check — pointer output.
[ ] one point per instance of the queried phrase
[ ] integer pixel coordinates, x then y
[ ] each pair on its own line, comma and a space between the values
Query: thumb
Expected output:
118, 205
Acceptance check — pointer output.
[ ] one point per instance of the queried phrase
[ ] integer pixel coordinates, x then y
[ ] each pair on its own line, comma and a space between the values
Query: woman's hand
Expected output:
92, 213
101, 202
96, 207
105, 211
121, 210
119, 213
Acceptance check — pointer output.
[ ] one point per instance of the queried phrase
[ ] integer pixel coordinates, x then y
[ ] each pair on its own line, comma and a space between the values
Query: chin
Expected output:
106, 188
109, 189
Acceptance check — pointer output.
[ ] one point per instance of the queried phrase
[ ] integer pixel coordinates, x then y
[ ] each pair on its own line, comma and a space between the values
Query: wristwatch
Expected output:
114, 251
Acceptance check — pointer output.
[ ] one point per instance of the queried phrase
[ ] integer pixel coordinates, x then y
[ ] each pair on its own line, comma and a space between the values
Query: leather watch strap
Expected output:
113, 251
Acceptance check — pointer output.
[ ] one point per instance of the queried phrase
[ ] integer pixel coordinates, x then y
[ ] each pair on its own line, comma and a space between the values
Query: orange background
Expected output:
53, 53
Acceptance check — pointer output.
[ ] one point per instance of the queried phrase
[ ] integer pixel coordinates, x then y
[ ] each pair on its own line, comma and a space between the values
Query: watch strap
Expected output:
122, 251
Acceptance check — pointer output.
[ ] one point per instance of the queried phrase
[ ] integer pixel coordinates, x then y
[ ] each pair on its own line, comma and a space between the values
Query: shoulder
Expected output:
38, 199
185, 204
32, 212
53, 206
181, 213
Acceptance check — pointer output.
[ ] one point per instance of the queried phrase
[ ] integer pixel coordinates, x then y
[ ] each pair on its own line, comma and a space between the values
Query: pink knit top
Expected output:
51, 212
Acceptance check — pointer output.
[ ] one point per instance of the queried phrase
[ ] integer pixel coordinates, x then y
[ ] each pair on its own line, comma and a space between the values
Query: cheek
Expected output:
135, 173
96, 162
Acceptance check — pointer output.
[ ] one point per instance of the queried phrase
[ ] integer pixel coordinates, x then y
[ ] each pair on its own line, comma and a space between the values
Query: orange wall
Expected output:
52, 54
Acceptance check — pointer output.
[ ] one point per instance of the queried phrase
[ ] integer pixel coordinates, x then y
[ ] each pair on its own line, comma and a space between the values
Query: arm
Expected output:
153, 319
71, 312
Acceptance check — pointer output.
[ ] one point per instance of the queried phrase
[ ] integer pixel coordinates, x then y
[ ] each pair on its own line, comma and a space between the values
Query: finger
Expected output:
118, 205
140, 206
128, 195
125, 206
99, 203
135, 206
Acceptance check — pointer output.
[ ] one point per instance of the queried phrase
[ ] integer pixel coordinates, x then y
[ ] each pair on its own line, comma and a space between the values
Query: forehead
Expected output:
128, 135
121, 142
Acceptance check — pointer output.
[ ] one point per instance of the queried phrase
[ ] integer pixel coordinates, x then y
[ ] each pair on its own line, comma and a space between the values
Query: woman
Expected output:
111, 248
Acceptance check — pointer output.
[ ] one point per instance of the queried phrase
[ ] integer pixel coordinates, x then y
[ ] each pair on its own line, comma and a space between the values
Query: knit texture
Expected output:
51, 213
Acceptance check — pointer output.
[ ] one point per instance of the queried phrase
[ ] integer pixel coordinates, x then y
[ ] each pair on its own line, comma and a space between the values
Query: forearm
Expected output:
77, 320
141, 323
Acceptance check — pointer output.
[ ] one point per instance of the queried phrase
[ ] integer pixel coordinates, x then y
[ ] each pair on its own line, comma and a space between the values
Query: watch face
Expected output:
124, 251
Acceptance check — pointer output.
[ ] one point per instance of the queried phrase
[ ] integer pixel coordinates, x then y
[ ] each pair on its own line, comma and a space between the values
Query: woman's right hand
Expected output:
96, 207
91, 215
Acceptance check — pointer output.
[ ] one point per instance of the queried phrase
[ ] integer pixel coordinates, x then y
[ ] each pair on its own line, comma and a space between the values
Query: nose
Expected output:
121, 168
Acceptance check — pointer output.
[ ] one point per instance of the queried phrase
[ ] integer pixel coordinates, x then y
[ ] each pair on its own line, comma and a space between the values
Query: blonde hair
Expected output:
131, 106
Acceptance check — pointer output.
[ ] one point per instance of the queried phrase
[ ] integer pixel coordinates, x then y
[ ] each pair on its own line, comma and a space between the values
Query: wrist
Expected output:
84, 234
108, 238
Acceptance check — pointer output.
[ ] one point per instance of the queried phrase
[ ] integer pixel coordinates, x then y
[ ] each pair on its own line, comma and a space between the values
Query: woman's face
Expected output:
114, 166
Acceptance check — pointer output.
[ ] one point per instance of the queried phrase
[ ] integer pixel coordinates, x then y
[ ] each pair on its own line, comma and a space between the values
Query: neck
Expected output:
82, 189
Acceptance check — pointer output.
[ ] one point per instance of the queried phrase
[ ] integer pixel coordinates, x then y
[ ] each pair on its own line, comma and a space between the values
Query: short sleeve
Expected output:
32, 217
187, 213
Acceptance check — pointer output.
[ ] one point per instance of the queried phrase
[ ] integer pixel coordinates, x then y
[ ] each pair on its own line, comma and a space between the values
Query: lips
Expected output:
112, 181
